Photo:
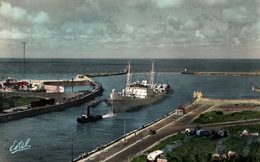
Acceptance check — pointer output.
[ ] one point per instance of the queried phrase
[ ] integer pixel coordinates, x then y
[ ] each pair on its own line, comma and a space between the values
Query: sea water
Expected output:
56, 136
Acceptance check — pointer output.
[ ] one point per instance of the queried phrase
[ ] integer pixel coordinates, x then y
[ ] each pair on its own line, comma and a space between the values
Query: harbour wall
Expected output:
71, 102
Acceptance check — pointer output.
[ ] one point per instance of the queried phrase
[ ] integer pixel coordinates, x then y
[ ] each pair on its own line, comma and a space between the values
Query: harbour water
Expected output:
57, 136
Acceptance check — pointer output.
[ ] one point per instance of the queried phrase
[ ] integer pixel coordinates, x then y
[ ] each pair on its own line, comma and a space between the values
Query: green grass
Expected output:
216, 117
255, 152
19, 101
235, 144
198, 149
252, 128
141, 158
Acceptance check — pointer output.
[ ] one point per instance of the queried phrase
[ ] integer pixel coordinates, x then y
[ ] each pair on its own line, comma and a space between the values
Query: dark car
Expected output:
152, 131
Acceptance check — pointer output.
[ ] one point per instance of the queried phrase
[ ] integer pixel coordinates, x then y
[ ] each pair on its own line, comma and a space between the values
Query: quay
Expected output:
133, 144
63, 100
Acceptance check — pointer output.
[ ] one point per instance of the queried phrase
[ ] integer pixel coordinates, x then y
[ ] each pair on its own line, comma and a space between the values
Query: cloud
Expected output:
137, 3
12, 34
129, 29
214, 3
238, 15
191, 24
199, 35
40, 18
14, 13
132, 25
20, 15
236, 41
21, 24
168, 3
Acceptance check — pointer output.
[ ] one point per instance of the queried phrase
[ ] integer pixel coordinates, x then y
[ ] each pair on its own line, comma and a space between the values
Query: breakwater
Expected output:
221, 73
76, 100
123, 72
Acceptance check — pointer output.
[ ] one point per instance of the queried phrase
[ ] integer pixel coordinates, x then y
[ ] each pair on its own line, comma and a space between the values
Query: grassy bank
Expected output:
219, 117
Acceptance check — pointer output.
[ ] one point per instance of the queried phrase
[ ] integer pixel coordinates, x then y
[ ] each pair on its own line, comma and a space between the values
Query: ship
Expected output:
138, 94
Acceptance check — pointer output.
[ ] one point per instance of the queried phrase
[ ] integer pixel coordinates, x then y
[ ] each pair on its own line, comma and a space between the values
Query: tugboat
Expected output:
87, 118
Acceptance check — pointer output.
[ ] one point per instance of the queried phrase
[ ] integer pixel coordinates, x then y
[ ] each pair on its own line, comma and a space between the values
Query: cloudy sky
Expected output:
130, 28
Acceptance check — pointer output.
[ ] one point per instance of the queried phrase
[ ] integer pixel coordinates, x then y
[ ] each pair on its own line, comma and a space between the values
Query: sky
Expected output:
130, 28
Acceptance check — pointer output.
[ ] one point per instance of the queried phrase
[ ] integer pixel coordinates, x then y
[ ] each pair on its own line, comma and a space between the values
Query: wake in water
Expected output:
109, 115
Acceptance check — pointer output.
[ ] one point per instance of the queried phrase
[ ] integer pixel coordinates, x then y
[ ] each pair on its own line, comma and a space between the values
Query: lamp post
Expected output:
123, 121
124, 130
23, 73
72, 153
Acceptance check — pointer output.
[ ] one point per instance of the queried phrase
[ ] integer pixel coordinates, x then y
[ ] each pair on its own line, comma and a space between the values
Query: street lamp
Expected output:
124, 130
23, 75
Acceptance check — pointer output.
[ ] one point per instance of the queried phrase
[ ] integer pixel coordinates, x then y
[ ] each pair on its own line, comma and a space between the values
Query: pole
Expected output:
23, 73
72, 153
124, 130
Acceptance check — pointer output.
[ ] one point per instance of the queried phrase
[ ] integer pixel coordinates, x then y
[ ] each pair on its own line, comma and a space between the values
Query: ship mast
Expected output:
152, 76
128, 79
